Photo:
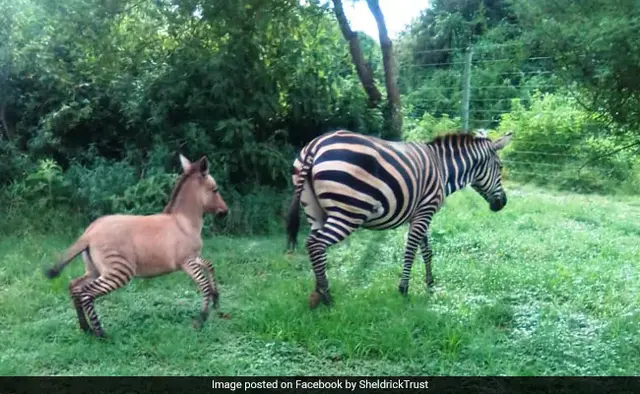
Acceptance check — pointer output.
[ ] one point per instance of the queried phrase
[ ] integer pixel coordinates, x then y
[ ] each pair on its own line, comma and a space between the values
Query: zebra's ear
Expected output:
186, 164
481, 133
502, 141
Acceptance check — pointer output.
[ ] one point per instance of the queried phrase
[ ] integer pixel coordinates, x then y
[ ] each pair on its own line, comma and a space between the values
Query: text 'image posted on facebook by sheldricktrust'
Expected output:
335, 383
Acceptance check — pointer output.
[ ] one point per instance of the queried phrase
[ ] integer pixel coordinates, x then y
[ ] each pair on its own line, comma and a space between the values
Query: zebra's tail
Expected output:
293, 217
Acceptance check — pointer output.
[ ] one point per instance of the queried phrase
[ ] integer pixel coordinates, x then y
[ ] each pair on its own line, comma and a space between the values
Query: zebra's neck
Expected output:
458, 162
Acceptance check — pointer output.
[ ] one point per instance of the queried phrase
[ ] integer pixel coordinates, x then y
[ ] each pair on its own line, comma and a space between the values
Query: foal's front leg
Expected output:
194, 269
208, 267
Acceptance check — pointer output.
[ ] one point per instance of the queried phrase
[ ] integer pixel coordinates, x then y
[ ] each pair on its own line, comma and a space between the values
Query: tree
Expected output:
392, 111
596, 49
362, 68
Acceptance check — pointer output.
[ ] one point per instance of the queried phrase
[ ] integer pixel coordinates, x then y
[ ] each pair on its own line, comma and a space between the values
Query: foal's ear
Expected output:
502, 141
186, 164
204, 165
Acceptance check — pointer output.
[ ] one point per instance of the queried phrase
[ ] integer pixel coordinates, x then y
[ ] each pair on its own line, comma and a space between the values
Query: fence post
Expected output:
466, 89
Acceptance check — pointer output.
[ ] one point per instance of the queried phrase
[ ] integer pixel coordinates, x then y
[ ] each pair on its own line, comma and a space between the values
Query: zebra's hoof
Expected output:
100, 334
197, 323
326, 298
314, 299
430, 284
403, 289
216, 300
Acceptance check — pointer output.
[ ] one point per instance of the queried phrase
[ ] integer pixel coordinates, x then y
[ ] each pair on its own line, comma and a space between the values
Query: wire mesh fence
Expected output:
500, 87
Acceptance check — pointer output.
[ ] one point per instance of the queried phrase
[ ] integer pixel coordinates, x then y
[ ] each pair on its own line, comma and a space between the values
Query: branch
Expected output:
131, 7
637, 143
363, 70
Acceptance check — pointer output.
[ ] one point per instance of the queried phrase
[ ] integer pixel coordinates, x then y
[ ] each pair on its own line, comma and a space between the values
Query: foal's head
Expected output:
203, 185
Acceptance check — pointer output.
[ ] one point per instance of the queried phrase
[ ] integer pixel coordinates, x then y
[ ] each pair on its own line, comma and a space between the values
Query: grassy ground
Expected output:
548, 286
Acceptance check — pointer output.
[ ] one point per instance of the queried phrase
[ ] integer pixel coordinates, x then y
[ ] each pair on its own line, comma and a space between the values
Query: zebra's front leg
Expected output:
425, 247
417, 230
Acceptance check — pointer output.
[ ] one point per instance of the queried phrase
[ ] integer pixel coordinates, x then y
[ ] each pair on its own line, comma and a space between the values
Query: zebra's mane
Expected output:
455, 136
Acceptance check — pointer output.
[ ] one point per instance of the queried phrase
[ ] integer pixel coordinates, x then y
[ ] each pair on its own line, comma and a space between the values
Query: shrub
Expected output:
555, 137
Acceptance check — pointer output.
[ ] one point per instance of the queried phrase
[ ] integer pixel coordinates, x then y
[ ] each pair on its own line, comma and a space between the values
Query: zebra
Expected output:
346, 180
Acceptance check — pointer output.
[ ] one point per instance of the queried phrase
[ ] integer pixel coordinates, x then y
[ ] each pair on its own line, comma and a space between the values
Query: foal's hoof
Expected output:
403, 289
197, 323
430, 284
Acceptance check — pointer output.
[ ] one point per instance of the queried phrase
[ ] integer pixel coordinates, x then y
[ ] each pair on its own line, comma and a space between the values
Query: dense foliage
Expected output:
99, 97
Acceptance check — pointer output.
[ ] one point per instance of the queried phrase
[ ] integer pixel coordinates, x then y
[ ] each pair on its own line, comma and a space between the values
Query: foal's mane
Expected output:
178, 187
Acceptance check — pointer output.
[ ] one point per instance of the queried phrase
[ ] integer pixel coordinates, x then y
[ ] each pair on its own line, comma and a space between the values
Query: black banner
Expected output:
374, 384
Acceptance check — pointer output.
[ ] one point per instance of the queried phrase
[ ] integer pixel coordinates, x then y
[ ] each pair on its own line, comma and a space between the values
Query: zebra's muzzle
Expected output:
498, 203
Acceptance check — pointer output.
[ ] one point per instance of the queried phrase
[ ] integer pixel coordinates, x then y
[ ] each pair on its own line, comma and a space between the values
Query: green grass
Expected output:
548, 286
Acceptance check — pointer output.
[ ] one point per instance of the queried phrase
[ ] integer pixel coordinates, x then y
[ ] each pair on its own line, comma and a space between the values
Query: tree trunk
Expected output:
364, 72
3, 121
393, 116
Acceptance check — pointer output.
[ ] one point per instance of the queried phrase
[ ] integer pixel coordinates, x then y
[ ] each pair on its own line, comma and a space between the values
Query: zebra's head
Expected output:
488, 180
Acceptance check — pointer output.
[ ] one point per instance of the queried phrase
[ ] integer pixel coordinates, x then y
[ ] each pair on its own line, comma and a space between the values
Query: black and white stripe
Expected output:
85, 290
346, 180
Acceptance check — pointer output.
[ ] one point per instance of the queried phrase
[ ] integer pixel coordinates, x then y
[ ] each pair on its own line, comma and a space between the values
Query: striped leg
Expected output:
208, 266
333, 231
196, 272
82, 319
417, 232
425, 247
89, 291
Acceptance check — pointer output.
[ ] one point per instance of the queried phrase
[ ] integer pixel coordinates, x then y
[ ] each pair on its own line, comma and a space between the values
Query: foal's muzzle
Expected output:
222, 214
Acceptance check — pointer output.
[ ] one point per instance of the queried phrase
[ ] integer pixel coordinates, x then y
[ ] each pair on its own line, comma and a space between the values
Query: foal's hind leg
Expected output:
90, 290
194, 269
82, 319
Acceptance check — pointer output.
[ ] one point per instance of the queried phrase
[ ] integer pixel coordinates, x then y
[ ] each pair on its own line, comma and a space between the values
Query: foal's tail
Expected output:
293, 217
78, 247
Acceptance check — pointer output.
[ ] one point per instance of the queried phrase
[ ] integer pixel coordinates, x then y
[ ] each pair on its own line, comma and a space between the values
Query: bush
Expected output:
428, 126
48, 199
555, 138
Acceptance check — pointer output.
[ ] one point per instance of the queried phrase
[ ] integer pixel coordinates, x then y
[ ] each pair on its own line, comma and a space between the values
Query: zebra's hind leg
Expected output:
333, 231
82, 319
196, 272
88, 291
417, 231
425, 247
